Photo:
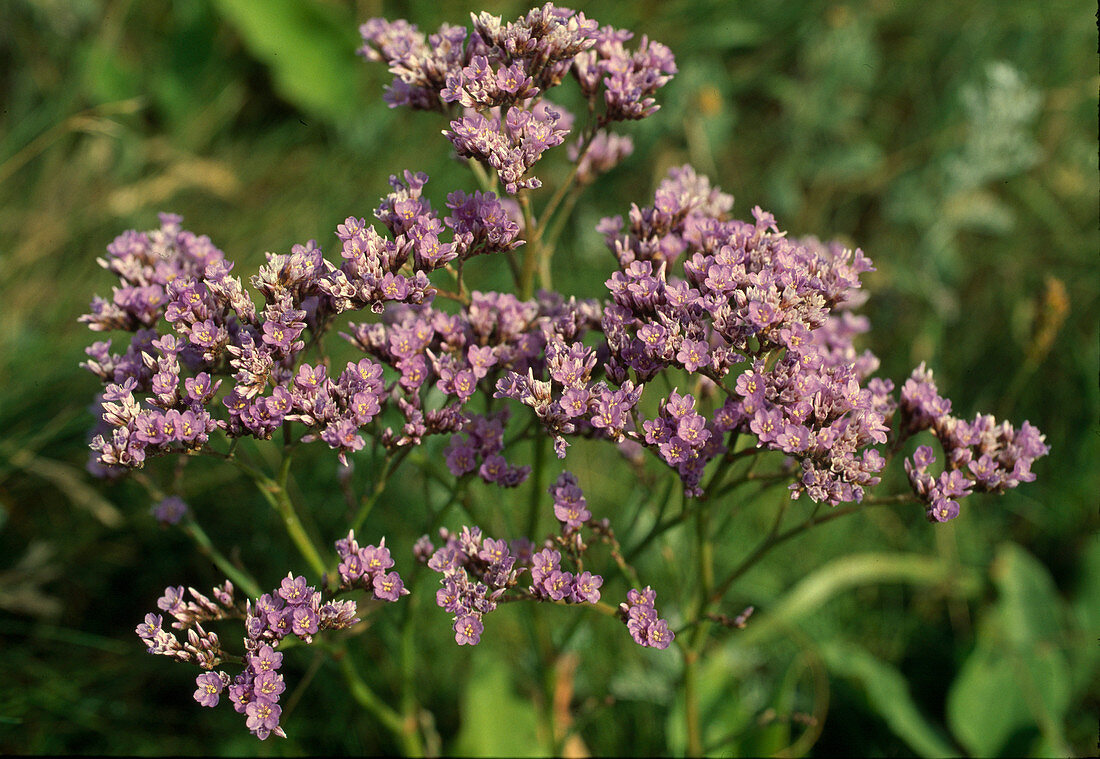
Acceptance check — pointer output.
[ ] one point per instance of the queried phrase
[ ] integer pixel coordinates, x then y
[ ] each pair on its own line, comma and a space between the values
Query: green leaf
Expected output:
496, 721
852, 572
984, 706
1000, 690
1016, 676
1028, 602
888, 695
308, 47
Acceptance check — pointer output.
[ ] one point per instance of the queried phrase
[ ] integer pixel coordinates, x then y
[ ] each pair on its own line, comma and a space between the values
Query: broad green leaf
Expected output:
1000, 690
887, 694
495, 720
984, 706
308, 47
1027, 599
1016, 676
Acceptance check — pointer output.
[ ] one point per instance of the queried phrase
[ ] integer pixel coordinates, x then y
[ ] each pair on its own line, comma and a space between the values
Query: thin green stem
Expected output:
391, 462
537, 484
275, 493
659, 528
410, 707
555, 229
369, 700
487, 184
694, 649
775, 537
751, 477
239, 577
532, 251
691, 702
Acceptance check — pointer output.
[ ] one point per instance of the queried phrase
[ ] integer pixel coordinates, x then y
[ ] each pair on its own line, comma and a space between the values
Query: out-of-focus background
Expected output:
956, 143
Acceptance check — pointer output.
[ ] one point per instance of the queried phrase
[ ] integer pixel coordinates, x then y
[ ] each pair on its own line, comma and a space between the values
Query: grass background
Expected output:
955, 143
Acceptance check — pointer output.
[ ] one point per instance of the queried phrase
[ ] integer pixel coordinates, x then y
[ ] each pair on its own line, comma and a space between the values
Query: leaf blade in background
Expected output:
850, 572
308, 47
492, 703
888, 695
1017, 675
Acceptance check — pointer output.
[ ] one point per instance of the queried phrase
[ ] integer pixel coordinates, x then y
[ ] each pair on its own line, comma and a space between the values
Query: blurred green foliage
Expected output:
955, 143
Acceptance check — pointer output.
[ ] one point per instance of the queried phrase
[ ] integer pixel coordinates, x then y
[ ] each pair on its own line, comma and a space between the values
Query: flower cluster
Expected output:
510, 147
202, 647
500, 72
640, 614
377, 269
570, 505
478, 448
214, 328
463, 354
982, 455
365, 567
761, 326
570, 401
548, 580
769, 310
294, 608
599, 155
476, 570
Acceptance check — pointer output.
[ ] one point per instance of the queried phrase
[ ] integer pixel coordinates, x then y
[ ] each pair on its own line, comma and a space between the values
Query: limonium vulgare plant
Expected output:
748, 332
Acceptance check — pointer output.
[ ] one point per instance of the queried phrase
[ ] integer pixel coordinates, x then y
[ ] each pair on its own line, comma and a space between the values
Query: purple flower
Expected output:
266, 659
263, 717
468, 629
172, 600
586, 588
303, 621
210, 685
375, 559
658, 635
693, 354
942, 510
268, 685
388, 587
294, 590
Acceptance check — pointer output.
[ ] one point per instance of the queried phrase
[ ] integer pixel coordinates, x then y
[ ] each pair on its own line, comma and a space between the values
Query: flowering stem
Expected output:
532, 251
537, 484
393, 460
691, 701
206, 547
409, 706
750, 477
775, 537
554, 231
370, 701
659, 528
487, 184
574, 191
274, 491
694, 649
240, 577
